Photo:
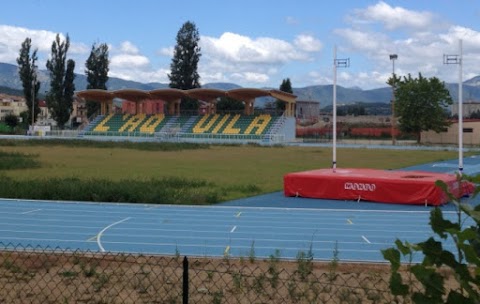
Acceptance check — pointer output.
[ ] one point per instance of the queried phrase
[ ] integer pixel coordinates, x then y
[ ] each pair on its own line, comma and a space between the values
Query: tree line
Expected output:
419, 104
59, 98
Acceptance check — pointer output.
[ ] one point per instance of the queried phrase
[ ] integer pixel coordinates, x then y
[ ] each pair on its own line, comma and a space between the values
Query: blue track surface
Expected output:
264, 224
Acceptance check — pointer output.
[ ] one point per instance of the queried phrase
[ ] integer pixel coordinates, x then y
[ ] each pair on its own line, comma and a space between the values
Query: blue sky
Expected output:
256, 43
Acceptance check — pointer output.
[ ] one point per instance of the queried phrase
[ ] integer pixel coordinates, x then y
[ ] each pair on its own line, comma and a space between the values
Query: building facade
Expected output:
307, 109
11, 105
449, 136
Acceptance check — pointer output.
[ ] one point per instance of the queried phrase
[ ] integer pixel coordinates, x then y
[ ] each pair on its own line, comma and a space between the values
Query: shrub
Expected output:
431, 273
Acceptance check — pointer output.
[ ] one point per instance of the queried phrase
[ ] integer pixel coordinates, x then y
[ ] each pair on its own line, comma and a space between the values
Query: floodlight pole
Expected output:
34, 83
393, 57
345, 63
458, 59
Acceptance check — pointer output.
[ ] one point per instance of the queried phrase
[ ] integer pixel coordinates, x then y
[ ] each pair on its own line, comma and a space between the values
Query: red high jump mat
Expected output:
396, 187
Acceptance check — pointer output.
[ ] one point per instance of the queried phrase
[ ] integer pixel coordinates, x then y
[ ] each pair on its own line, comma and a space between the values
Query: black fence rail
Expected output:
46, 275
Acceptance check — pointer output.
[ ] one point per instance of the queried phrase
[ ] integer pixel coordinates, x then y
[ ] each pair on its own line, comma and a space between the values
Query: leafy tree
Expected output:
24, 119
229, 104
356, 110
27, 72
420, 104
431, 274
96, 70
11, 120
183, 69
286, 86
62, 88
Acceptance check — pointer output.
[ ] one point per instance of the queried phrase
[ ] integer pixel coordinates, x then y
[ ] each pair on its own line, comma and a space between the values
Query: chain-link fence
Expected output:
46, 275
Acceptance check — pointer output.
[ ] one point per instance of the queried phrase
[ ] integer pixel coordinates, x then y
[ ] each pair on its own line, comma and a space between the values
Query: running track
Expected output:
260, 226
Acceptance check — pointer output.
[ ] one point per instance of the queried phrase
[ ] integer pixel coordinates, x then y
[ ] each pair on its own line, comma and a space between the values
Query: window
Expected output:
467, 130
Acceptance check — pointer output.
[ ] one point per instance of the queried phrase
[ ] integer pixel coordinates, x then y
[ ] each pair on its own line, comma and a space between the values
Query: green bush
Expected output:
4, 129
154, 191
428, 283
12, 160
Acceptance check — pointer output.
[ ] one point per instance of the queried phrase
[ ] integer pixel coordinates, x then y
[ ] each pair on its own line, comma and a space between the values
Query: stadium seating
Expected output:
255, 126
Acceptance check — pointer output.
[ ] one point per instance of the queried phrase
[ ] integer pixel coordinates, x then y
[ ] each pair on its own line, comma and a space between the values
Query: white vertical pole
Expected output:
34, 82
334, 162
460, 110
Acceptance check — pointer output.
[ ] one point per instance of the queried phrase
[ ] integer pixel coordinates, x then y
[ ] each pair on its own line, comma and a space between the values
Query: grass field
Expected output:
226, 172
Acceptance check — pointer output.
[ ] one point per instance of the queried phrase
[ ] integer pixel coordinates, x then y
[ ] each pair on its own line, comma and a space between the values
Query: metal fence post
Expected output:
185, 280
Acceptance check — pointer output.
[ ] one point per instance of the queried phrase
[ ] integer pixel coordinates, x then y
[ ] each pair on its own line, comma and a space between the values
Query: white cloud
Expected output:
213, 77
250, 77
238, 48
141, 75
169, 51
11, 39
363, 41
393, 17
308, 43
417, 37
128, 48
128, 61
243, 59
471, 37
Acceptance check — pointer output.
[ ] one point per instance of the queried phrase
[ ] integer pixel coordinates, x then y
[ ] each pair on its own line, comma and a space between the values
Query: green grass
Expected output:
199, 174
15, 160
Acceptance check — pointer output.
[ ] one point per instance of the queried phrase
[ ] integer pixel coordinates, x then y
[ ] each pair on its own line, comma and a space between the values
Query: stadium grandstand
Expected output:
155, 115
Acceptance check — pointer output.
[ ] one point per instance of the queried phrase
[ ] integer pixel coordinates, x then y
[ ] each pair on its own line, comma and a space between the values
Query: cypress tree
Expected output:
183, 69
62, 88
286, 86
96, 70
28, 75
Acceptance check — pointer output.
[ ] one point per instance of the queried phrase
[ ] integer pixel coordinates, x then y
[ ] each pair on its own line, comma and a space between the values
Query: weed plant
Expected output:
15, 160
104, 171
154, 191
145, 146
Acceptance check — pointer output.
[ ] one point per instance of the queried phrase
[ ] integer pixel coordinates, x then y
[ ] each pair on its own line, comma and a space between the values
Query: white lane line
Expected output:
99, 235
226, 252
233, 229
31, 211
365, 239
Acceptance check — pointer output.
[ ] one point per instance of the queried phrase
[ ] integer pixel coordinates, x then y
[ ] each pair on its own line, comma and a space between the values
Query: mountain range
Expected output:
9, 80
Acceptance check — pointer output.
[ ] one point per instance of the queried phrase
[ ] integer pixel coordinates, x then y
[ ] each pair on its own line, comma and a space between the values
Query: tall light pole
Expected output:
337, 63
393, 57
34, 84
457, 59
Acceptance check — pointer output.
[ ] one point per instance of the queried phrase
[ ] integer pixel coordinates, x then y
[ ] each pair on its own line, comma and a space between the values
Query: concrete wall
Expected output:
471, 134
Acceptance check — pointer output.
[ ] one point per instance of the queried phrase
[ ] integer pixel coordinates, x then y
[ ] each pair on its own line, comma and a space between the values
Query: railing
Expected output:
39, 275
169, 136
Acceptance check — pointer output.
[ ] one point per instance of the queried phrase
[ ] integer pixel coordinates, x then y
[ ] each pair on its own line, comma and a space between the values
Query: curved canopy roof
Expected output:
95, 94
244, 93
175, 94
205, 94
131, 94
167, 94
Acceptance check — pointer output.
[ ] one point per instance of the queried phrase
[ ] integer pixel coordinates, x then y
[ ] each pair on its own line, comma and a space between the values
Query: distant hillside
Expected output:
221, 86
10, 91
475, 81
322, 93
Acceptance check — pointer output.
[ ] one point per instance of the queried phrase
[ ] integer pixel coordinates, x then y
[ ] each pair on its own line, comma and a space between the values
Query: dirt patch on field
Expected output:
66, 277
